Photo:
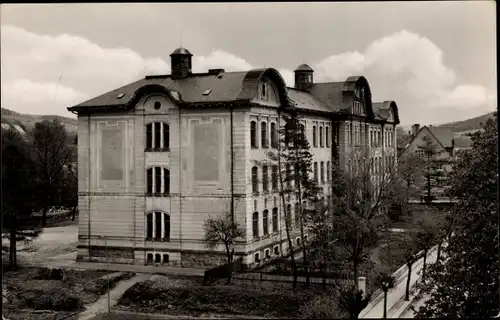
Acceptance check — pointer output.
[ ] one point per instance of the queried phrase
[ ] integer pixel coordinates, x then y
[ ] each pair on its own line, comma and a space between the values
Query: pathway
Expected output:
101, 305
395, 297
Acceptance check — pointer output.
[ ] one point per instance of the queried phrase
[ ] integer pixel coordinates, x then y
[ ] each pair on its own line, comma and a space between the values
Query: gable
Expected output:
419, 141
267, 92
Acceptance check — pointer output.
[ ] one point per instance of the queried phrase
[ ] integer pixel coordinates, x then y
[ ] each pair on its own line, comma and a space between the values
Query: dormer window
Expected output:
264, 90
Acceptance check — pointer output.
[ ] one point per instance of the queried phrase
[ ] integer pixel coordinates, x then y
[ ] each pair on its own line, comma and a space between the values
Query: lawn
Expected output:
189, 297
39, 293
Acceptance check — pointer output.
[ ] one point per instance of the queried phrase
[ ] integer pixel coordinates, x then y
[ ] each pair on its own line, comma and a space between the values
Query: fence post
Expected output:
362, 285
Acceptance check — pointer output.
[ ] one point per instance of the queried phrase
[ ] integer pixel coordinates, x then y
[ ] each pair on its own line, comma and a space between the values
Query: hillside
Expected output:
27, 121
468, 125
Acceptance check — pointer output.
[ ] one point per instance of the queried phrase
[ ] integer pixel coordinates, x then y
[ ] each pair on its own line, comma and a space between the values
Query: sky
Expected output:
437, 60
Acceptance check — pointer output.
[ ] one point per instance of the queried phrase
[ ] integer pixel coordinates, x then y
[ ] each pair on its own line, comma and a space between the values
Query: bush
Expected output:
48, 296
322, 307
49, 274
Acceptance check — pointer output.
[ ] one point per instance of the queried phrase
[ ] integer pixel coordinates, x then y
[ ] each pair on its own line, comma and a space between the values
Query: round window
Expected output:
157, 105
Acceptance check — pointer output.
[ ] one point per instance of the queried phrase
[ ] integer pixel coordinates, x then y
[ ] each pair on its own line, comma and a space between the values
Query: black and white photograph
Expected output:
249, 160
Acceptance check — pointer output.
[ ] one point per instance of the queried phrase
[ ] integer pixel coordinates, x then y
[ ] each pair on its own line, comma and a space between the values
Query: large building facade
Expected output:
159, 156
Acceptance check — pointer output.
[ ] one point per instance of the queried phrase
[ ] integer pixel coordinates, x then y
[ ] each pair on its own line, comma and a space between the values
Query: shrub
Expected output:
49, 274
322, 307
48, 296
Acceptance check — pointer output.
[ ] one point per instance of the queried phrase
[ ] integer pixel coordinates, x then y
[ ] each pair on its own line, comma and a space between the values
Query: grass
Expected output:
32, 289
189, 297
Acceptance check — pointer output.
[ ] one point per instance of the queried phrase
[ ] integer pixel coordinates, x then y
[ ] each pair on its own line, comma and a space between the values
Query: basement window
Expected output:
207, 92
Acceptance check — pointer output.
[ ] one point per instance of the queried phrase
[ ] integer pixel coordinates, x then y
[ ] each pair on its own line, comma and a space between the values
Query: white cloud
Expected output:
404, 67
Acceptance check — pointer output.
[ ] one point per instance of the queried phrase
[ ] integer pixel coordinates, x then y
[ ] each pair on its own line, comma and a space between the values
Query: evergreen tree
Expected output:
17, 192
465, 282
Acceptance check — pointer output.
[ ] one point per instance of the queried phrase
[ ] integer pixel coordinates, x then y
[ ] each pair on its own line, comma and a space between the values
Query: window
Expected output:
265, 179
158, 226
315, 141
255, 227
298, 242
257, 258
289, 177
289, 214
378, 138
166, 258
264, 139
265, 222
328, 171
305, 238
157, 136
264, 90
297, 214
157, 105
157, 258
371, 138
253, 134
274, 178
158, 181
255, 182
322, 171
327, 134
267, 254
315, 171
150, 258
321, 137
276, 250
275, 219
349, 136
274, 135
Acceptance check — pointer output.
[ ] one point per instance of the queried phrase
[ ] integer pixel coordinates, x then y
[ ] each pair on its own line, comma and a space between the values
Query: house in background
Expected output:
447, 147
157, 157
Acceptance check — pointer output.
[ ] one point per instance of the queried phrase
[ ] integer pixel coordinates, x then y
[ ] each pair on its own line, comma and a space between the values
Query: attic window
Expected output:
220, 75
121, 95
207, 92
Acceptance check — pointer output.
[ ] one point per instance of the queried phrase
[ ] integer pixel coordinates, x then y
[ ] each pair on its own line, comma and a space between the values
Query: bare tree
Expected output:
363, 200
51, 155
222, 231
385, 281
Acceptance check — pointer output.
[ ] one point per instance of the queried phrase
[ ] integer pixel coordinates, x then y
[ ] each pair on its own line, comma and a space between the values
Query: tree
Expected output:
295, 178
425, 239
362, 197
353, 301
430, 162
410, 169
402, 137
465, 283
51, 155
222, 231
17, 192
385, 281
411, 256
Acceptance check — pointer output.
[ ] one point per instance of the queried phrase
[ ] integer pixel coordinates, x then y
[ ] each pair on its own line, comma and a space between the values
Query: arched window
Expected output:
275, 219
315, 169
255, 226
265, 222
264, 90
265, 179
276, 250
158, 226
267, 254
321, 137
158, 181
298, 242
253, 134
157, 136
264, 142
257, 258
274, 135
327, 134
315, 141
328, 171
289, 214
297, 214
274, 178
322, 171
255, 180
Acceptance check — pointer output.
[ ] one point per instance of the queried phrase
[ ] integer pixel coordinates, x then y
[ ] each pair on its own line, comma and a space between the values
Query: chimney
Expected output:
180, 63
414, 129
303, 77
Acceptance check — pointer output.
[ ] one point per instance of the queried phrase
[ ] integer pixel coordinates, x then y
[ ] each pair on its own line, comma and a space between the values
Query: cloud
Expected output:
404, 67
409, 69
32, 97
